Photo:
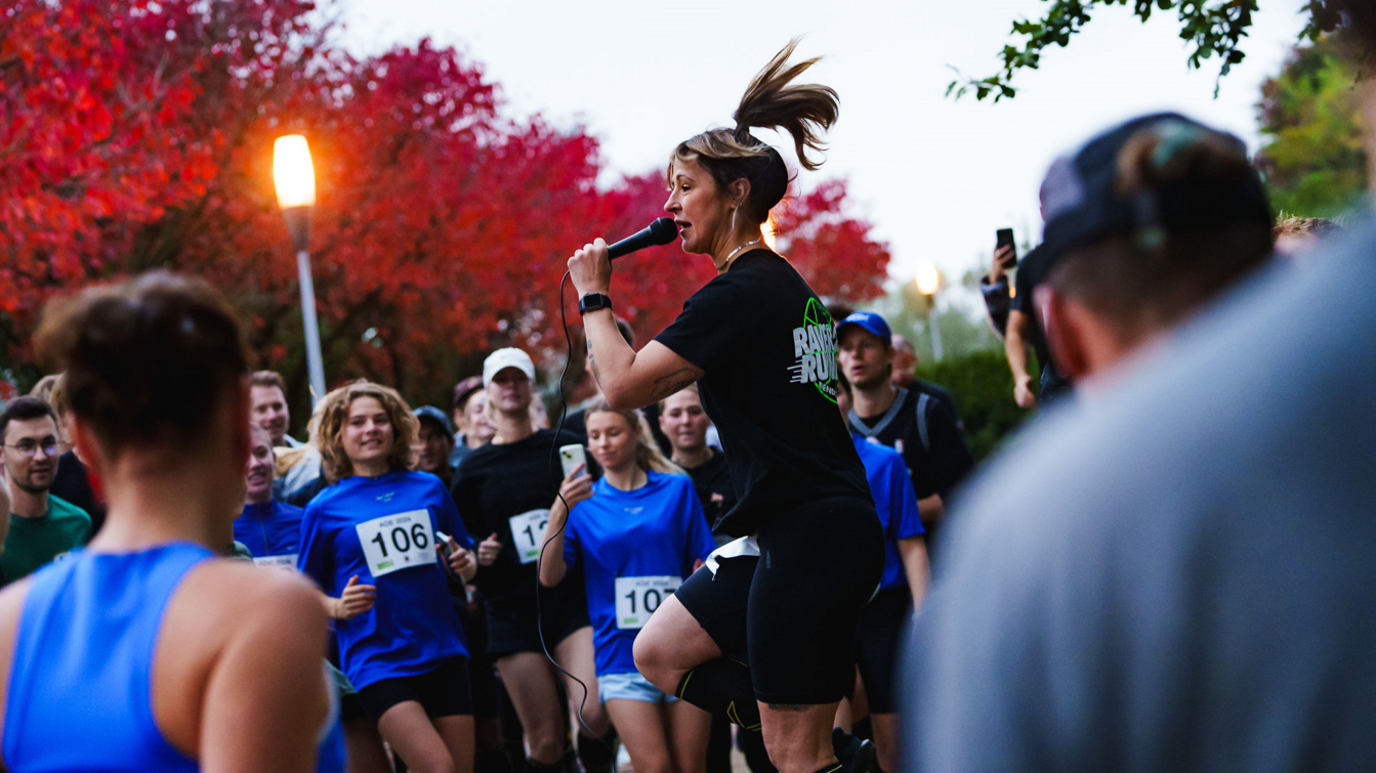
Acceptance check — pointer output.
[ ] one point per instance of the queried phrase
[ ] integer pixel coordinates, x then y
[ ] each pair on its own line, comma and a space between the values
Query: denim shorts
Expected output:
630, 687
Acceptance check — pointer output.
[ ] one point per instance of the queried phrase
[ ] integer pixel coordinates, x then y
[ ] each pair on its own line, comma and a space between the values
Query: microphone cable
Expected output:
568, 511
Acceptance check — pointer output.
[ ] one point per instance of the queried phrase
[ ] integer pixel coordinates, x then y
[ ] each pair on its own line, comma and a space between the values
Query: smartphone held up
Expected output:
571, 456
1005, 239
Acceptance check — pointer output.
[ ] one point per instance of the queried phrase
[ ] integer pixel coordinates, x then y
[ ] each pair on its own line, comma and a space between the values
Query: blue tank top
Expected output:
80, 684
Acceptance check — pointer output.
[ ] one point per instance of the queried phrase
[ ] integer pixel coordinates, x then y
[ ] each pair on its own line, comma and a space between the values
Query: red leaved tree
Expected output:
139, 135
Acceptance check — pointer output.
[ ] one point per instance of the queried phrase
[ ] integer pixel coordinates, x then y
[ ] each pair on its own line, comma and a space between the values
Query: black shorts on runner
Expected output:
442, 692
794, 610
876, 645
511, 625
482, 679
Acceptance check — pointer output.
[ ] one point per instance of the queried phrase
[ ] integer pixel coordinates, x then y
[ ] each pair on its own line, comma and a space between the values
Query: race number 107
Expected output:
638, 597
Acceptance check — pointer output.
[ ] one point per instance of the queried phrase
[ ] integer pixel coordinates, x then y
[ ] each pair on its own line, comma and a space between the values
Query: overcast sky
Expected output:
936, 177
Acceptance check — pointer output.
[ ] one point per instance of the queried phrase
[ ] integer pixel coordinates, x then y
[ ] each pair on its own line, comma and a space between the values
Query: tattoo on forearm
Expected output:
592, 365
674, 382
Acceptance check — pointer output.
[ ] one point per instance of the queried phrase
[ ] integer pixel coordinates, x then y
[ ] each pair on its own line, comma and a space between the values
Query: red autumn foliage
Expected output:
138, 134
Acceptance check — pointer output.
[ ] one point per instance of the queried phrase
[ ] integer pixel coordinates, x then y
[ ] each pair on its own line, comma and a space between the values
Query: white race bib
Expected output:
395, 542
528, 531
286, 559
638, 597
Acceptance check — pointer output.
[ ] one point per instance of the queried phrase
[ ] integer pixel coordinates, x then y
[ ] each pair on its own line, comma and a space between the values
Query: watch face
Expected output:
594, 302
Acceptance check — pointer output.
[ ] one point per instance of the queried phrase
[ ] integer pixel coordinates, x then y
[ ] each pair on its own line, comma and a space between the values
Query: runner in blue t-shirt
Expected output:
901, 589
372, 539
271, 530
638, 532
270, 533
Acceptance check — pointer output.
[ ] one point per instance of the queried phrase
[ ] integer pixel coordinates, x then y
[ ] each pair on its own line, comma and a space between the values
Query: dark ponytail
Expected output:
147, 361
771, 101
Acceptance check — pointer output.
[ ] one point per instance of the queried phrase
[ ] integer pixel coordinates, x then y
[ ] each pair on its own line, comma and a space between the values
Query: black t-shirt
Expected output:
1030, 274
768, 346
73, 484
937, 471
496, 483
712, 480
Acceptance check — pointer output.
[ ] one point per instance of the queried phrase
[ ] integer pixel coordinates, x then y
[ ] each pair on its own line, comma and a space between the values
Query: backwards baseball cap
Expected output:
436, 415
465, 388
1082, 201
869, 322
502, 359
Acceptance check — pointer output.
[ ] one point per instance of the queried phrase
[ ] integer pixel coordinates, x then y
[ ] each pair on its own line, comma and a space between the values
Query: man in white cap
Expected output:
504, 489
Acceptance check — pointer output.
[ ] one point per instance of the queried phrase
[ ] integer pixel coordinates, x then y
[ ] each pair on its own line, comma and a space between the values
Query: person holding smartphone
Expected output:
762, 347
994, 285
637, 532
401, 643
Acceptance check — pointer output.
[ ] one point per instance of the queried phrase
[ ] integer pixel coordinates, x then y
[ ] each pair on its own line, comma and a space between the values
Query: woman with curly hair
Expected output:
371, 540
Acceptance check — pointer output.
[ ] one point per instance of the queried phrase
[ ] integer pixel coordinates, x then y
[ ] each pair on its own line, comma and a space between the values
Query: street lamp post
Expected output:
928, 283
295, 179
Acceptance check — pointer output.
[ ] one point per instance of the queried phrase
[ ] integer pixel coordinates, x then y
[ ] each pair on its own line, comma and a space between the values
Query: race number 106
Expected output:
396, 542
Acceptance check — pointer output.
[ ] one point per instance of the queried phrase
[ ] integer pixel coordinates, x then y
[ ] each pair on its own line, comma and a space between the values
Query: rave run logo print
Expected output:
814, 350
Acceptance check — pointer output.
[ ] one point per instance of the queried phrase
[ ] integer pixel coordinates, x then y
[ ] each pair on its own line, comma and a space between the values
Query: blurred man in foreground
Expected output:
1176, 572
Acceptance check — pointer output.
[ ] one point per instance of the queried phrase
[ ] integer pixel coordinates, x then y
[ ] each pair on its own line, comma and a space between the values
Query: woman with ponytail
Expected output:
786, 596
637, 532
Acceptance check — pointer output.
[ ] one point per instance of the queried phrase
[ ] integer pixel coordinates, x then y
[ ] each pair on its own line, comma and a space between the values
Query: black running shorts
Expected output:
481, 675
876, 645
442, 692
794, 610
511, 621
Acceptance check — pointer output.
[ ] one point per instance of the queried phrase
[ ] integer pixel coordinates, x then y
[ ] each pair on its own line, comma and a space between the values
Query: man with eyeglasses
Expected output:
41, 526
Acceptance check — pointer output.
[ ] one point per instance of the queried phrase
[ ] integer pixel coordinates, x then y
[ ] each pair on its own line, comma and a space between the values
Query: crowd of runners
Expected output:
723, 545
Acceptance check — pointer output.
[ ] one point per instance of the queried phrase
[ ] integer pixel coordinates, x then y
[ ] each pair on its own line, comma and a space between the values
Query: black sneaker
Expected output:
854, 754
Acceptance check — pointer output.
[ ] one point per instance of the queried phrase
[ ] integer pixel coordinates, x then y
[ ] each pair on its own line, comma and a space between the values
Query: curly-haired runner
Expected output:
371, 539
762, 348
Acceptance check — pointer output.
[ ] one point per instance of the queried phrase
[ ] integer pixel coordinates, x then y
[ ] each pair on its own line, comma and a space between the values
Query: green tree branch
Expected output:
1213, 28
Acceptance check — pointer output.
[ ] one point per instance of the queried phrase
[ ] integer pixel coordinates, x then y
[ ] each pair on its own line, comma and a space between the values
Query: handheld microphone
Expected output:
661, 231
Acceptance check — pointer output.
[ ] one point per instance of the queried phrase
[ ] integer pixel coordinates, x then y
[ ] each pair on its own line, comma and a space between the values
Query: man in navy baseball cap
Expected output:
868, 321
919, 421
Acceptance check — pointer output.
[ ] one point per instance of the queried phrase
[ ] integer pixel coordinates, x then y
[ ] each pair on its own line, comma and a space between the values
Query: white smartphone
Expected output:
571, 456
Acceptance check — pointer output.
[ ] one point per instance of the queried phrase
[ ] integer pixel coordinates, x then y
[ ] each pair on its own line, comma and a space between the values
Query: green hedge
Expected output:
983, 388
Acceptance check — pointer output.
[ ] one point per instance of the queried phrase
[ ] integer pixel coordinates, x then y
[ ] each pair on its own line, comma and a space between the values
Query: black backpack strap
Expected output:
923, 403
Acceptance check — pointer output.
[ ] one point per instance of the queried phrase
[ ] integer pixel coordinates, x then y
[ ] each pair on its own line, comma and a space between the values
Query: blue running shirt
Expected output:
634, 546
72, 706
894, 500
383, 530
271, 531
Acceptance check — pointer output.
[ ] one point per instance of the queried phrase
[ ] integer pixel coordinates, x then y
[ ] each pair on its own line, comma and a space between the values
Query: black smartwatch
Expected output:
594, 302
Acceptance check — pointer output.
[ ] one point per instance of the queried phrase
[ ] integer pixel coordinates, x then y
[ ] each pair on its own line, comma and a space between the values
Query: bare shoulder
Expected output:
246, 593
233, 623
11, 607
